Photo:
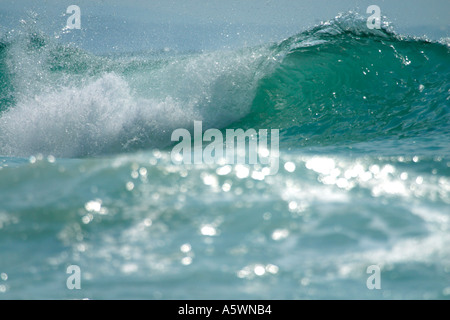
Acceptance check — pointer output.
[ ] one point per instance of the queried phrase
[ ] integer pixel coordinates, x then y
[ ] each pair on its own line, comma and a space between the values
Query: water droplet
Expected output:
259, 270
226, 187
280, 234
186, 261
185, 248
242, 171
289, 166
271, 268
208, 230
130, 186
223, 171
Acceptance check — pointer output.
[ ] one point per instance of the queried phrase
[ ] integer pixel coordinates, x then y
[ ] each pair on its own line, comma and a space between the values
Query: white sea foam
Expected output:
113, 112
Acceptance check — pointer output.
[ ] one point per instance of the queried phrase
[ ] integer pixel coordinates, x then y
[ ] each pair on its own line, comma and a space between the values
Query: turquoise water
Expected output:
86, 176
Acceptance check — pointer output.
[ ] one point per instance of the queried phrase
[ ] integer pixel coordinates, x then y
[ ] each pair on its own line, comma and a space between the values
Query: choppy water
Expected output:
86, 177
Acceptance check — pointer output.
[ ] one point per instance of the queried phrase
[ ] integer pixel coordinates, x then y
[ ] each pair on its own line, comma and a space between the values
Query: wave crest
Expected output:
336, 83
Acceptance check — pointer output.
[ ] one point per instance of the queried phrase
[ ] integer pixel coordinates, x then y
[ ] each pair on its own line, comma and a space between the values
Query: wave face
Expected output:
336, 83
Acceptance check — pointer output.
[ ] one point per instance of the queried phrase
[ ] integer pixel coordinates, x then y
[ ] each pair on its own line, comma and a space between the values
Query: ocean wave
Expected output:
336, 83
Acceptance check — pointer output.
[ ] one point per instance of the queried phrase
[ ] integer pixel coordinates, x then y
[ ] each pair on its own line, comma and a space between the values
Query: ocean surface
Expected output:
86, 176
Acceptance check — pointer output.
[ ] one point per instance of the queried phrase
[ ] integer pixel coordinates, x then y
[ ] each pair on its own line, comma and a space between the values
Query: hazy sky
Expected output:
411, 12
140, 24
